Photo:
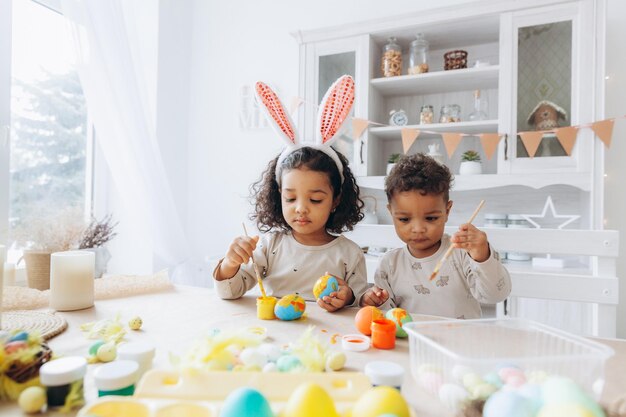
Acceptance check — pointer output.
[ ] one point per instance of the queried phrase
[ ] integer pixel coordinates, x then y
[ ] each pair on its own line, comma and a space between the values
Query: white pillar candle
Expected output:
3, 258
71, 280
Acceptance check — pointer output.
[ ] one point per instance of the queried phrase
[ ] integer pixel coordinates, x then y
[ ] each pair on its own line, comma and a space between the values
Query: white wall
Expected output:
228, 52
232, 51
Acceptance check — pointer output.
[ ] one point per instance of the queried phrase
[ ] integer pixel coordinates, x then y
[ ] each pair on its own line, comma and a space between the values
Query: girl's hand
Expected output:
473, 241
336, 300
374, 297
239, 252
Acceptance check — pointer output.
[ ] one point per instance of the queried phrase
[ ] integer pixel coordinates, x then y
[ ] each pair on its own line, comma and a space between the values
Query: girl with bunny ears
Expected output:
305, 198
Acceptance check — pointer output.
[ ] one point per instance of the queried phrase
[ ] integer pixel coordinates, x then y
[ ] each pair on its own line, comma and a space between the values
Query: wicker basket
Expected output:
455, 60
37, 269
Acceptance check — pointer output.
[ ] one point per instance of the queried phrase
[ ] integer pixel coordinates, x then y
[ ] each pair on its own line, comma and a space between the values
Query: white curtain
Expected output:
117, 99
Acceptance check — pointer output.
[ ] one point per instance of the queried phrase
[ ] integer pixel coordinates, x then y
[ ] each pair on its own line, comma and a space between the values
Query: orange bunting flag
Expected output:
451, 142
358, 127
604, 130
295, 103
408, 138
567, 138
490, 143
531, 141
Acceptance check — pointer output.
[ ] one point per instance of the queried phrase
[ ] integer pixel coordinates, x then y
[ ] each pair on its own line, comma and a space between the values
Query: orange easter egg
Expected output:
364, 318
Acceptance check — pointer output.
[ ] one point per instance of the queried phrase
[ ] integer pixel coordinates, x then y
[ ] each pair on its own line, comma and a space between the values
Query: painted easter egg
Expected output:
325, 285
400, 317
569, 410
309, 400
246, 402
508, 403
290, 307
364, 318
381, 400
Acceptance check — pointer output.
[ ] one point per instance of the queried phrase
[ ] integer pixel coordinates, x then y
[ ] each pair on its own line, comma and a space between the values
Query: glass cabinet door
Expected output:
326, 61
330, 68
544, 84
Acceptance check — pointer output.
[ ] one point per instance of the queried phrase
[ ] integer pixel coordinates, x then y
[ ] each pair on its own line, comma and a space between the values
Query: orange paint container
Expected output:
383, 334
265, 308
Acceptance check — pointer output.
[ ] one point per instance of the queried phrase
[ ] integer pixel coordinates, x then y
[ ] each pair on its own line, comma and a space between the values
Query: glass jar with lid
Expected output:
418, 55
495, 220
450, 113
517, 221
391, 61
426, 114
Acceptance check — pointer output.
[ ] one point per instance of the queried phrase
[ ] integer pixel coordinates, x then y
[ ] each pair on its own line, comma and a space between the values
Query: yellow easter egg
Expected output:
135, 323
381, 400
310, 400
564, 409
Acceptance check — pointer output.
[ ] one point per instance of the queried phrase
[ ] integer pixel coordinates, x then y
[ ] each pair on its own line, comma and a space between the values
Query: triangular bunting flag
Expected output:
531, 141
451, 142
408, 137
567, 138
295, 103
604, 130
358, 127
490, 143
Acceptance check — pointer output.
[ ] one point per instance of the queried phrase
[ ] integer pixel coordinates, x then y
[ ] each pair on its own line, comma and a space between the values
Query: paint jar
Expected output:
140, 352
383, 334
265, 308
385, 373
116, 378
61, 377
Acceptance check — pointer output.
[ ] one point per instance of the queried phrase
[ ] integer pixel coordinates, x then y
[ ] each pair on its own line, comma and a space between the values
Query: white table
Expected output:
174, 319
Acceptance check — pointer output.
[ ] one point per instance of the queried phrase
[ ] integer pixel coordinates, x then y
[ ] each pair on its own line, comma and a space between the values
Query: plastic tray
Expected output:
195, 393
487, 345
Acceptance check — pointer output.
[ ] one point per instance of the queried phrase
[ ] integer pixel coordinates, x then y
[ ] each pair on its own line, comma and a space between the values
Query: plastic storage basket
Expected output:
487, 345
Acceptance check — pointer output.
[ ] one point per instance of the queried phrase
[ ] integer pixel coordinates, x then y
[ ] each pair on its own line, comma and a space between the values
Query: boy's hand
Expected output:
473, 241
336, 300
374, 297
239, 252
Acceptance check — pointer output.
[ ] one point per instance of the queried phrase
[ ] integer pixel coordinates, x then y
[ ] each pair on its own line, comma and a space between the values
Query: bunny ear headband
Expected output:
333, 111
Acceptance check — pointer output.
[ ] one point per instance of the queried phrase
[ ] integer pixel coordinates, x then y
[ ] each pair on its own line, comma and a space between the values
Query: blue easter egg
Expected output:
21, 336
509, 404
290, 307
246, 402
325, 285
287, 363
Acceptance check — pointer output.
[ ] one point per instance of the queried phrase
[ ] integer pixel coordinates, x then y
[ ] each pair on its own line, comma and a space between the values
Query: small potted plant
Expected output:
470, 163
391, 162
93, 239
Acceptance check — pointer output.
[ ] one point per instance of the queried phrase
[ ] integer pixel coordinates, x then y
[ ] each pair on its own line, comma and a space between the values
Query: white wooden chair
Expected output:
591, 287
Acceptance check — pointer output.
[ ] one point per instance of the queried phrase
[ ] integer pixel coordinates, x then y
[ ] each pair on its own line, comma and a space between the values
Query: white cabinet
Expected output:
530, 51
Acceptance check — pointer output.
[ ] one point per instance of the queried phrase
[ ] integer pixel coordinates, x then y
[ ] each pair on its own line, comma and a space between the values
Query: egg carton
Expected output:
194, 393
443, 352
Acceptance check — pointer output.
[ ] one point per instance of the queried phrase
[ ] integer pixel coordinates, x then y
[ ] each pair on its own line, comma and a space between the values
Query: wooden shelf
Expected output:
580, 180
438, 82
394, 132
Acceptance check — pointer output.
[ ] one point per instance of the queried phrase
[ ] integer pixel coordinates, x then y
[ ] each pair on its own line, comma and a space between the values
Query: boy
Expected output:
418, 195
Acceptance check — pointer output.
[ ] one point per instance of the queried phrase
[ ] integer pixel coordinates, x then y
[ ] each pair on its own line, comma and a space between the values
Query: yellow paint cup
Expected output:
265, 308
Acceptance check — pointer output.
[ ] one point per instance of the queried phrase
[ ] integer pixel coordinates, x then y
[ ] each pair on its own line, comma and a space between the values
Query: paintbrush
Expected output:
256, 268
449, 251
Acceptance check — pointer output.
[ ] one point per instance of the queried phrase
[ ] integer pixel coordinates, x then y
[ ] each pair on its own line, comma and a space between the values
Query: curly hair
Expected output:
421, 173
265, 193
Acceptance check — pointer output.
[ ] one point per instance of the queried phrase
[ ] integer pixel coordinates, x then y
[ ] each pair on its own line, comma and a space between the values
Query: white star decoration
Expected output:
550, 204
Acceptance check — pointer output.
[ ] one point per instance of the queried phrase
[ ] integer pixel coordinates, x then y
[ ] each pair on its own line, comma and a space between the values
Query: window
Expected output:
49, 157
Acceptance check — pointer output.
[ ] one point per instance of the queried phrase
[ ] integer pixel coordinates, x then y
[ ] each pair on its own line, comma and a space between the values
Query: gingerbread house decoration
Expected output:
546, 115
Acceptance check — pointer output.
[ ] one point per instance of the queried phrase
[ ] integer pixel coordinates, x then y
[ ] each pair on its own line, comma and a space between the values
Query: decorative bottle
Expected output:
391, 61
478, 113
418, 56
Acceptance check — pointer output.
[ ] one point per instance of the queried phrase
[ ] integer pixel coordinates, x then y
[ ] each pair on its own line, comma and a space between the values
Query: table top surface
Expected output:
173, 320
